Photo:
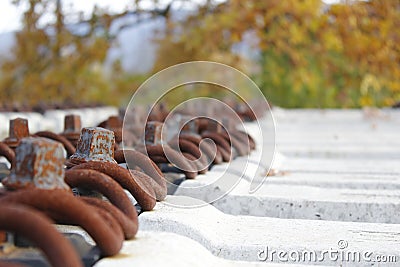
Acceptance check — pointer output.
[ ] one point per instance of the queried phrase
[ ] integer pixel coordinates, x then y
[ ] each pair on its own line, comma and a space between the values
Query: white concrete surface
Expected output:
328, 187
339, 180
242, 237
339, 189
150, 248
251, 167
354, 166
295, 200
338, 133
168, 249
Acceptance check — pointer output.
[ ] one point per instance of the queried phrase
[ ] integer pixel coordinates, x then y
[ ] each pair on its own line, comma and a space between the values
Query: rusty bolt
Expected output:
18, 129
72, 128
214, 126
72, 123
153, 133
39, 163
245, 112
113, 122
95, 144
3, 237
189, 126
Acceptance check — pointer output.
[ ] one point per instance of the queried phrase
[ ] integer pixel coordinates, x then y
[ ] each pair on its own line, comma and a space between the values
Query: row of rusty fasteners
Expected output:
46, 166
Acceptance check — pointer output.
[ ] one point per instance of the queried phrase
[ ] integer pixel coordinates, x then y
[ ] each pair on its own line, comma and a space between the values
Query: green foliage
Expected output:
310, 55
51, 64
347, 55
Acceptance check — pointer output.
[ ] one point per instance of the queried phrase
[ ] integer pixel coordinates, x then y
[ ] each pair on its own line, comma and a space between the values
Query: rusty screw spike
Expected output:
153, 133
18, 129
190, 132
113, 123
72, 123
189, 126
39, 163
95, 144
157, 152
214, 126
72, 128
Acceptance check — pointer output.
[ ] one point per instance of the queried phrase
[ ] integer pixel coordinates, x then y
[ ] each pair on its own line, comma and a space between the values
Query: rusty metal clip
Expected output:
36, 227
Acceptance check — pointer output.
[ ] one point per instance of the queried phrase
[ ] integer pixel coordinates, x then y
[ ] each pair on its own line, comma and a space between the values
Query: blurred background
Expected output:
301, 53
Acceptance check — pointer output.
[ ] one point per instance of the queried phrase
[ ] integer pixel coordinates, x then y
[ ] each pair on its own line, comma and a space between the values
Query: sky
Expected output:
10, 15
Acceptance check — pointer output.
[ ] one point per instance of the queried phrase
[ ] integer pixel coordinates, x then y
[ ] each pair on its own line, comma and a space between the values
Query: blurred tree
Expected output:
50, 63
63, 62
370, 32
311, 54
308, 54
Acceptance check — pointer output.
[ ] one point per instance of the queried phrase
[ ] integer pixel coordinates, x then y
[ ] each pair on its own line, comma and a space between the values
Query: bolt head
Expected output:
214, 126
189, 126
95, 144
18, 129
113, 122
72, 123
153, 133
39, 163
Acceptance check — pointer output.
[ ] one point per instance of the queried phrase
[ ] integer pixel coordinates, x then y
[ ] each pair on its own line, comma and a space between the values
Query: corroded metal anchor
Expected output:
19, 128
161, 152
37, 181
95, 151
